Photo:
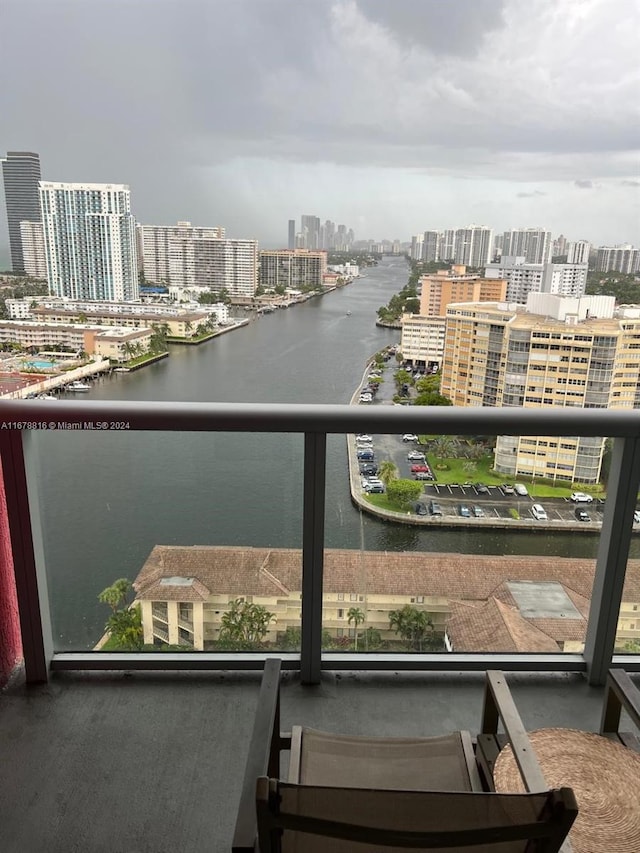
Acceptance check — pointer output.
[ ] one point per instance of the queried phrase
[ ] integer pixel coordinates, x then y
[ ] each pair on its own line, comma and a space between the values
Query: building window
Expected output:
353, 597
341, 596
340, 613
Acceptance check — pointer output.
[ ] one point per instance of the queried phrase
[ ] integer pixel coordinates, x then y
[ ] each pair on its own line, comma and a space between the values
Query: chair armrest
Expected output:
263, 758
499, 705
620, 692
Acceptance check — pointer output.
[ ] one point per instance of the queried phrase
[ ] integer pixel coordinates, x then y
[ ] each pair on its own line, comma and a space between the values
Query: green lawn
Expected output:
484, 473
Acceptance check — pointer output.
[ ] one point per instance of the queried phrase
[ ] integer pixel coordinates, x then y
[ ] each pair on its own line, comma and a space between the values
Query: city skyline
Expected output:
392, 117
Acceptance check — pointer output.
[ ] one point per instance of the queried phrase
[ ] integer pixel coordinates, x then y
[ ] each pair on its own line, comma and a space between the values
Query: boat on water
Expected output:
77, 386
121, 370
348, 313
46, 397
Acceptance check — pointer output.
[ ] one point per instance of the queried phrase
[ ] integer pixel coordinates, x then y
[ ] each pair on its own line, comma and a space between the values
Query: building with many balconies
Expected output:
555, 352
292, 269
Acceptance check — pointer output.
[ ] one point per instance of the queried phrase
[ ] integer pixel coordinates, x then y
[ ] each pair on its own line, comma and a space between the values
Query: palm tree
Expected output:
355, 615
387, 471
443, 446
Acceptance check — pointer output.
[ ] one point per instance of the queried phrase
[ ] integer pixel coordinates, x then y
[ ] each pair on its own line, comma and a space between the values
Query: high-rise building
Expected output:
89, 239
473, 245
292, 234
32, 238
623, 259
555, 352
523, 278
292, 269
448, 245
578, 252
431, 246
168, 252
533, 244
559, 246
310, 228
21, 174
416, 247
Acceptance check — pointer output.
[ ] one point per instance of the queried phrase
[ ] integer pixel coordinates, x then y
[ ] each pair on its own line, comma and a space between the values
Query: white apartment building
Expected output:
623, 259
32, 238
473, 245
292, 268
431, 246
184, 256
416, 247
447, 245
523, 278
422, 339
578, 252
89, 239
167, 252
534, 244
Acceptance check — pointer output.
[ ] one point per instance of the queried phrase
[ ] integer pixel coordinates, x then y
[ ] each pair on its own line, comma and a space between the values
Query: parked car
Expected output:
581, 497
521, 489
364, 437
478, 512
481, 489
539, 512
374, 489
636, 517
507, 489
423, 475
421, 509
366, 455
582, 514
435, 508
464, 511
368, 469
420, 469
415, 456
409, 436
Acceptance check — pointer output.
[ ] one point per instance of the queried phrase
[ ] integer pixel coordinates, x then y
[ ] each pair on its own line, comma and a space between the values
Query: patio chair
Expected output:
620, 692
348, 794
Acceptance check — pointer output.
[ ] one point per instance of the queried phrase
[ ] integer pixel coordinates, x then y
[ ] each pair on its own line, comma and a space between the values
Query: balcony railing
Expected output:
19, 421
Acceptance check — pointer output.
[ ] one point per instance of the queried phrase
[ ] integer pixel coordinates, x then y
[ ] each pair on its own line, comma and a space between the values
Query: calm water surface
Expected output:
107, 499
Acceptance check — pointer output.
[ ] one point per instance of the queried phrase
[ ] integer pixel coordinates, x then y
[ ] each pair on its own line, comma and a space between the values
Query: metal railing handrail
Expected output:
321, 418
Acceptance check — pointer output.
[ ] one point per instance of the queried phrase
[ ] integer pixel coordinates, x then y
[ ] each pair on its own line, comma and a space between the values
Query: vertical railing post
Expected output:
315, 453
613, 554
31, 591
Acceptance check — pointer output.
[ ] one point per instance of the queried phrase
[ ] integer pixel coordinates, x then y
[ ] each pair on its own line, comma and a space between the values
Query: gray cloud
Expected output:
628, 183
584, 185
241, 113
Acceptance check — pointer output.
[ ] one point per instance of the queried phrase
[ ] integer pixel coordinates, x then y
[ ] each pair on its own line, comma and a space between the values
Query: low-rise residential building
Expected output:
554, 352
538, 604
91, 338
179, 323
422, 340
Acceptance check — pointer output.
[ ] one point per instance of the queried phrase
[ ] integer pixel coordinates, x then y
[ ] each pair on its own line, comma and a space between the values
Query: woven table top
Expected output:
605, 777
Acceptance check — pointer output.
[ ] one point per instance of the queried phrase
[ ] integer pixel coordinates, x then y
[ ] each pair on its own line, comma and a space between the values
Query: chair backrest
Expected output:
311, 819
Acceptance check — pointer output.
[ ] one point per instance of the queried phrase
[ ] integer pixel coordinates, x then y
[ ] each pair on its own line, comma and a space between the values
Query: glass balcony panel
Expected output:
462, 564
191, 519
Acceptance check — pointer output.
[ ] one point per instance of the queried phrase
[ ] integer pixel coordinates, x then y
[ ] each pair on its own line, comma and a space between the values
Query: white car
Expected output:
409, 436
539, 512
581, 498
415, 456
364, 439
521, 490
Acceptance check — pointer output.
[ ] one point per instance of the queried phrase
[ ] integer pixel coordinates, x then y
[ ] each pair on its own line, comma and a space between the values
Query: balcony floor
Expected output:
129, 763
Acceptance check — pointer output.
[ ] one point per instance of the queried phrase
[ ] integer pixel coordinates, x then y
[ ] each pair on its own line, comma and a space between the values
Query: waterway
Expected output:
107, 499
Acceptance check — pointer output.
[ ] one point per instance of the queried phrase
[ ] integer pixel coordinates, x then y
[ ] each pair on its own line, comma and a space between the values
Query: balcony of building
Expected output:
145, 751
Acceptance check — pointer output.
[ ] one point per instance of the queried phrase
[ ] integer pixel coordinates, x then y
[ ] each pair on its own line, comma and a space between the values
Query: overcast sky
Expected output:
390, 116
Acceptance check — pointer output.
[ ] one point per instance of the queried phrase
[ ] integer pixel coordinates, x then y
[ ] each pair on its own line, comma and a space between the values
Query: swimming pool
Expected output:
40, 364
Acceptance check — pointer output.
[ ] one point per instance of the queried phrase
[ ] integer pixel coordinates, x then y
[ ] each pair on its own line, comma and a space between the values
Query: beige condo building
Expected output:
423, 334
555, 351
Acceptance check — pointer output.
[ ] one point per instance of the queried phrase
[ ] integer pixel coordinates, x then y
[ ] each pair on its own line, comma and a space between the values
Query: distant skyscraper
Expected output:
310, 227
416, 247
431, 246
447, 245
292, 234
532, 244
624, 259
35, 262
578, 252
89, 239
473, 245
21, 174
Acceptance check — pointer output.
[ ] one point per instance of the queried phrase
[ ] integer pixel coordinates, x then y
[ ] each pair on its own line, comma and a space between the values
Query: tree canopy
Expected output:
403, 492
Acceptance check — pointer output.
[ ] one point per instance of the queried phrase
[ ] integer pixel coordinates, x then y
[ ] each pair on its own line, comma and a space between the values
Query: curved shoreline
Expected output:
407, 517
